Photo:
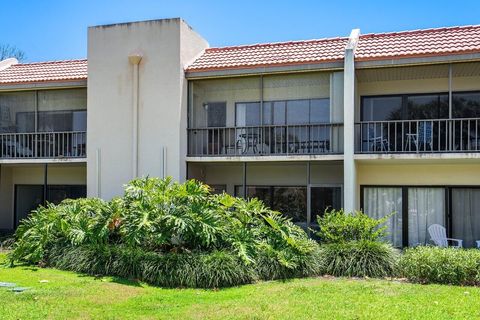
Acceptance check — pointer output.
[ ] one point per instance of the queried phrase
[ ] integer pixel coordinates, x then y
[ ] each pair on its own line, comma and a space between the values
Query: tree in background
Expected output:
8, 51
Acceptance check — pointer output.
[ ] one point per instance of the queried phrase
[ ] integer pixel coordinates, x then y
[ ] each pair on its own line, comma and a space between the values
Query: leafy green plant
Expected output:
363, 258
73, 221
337, 226
427, 264
170, 234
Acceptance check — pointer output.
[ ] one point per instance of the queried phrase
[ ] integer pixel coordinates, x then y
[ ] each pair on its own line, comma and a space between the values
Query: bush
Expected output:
427, 264
359, 259
168, 234
194, 269
336, 226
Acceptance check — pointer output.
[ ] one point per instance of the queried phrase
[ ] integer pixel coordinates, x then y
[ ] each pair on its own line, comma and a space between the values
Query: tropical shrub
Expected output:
364, 258
352, 245
74, 221
169, 234
427, 264
337, 226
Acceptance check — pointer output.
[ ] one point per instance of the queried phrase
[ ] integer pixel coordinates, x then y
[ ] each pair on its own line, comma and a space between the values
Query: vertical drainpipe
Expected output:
135, 59
349, 169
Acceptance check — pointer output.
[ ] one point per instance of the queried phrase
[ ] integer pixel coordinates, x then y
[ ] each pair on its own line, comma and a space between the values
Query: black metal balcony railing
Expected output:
418, 136
266, 140
43, 145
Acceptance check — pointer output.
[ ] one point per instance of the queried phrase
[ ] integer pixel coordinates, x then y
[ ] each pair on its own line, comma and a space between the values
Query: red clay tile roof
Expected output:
417, 43
68, 70
271, 54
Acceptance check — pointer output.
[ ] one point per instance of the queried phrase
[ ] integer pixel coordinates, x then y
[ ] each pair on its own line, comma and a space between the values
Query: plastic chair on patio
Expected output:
438, 235
425, 137
376, 142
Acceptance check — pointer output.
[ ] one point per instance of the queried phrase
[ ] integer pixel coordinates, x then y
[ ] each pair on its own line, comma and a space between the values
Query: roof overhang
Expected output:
434, 59
43, 85
309, 67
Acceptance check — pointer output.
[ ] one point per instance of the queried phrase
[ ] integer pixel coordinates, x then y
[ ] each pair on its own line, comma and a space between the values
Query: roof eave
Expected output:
264, 69
361, 63
35, 85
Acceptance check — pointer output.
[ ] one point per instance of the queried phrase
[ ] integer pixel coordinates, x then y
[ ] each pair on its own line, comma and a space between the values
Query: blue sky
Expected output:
52, 30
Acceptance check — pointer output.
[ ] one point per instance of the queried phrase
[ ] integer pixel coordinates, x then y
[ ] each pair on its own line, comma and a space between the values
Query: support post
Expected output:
349, 169
309, 199
244, 181
450, 108
98, 173
45, 184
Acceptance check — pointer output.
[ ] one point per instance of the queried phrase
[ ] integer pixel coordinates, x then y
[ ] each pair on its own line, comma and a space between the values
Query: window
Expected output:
248, 114
324, 198
290, 112
17, 112
405, 107
465, 217
466, 105
216, 114
43, 111
381, 108
291, 201
218, 188
274, 113
433, 106
29, 197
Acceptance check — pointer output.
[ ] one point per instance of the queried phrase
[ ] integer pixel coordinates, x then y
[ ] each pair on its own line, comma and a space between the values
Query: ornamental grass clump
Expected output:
168, 234
427, 264
352, 246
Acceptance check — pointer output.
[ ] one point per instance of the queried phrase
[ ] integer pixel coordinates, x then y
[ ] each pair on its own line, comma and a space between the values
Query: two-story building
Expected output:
379, 122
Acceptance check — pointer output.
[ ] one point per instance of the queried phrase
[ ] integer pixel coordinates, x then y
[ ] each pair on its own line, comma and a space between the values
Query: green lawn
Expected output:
67, 295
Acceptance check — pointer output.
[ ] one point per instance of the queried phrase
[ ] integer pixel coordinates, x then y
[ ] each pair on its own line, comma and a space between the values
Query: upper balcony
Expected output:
274, 115
43, 124
420, 109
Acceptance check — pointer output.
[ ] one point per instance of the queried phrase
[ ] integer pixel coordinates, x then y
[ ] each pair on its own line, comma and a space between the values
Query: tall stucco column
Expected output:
349, 169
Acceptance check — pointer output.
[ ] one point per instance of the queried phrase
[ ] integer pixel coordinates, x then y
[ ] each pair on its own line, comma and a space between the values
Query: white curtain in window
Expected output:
379, 202
466, 215
426, 206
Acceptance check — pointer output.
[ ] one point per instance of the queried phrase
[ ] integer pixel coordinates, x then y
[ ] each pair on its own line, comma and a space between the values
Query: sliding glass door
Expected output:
466, 215
382, 201
423, 207
426, 206
29, 197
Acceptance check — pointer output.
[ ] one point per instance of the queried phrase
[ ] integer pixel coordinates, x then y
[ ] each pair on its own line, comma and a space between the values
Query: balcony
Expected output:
308, 139
43, 145
419, 136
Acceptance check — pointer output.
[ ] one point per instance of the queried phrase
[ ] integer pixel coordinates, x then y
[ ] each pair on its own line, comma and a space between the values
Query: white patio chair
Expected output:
438, 234
478, 244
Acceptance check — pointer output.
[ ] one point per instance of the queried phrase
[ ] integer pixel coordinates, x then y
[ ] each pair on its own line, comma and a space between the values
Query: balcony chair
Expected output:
478, 244
438, 235
424, 137
376, 142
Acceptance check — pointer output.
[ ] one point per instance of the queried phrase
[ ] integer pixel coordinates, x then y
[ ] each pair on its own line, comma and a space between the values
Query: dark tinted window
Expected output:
291, 201
216, 114
433, 106
466, 105
381, 108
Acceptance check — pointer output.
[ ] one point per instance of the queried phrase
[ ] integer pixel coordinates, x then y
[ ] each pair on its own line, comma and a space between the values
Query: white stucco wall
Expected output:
166, 47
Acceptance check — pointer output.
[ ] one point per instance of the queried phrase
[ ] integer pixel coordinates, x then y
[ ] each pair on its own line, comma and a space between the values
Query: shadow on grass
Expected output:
114, 279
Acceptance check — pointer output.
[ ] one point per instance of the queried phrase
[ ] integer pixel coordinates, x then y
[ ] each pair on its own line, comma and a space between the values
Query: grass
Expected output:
68, 295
